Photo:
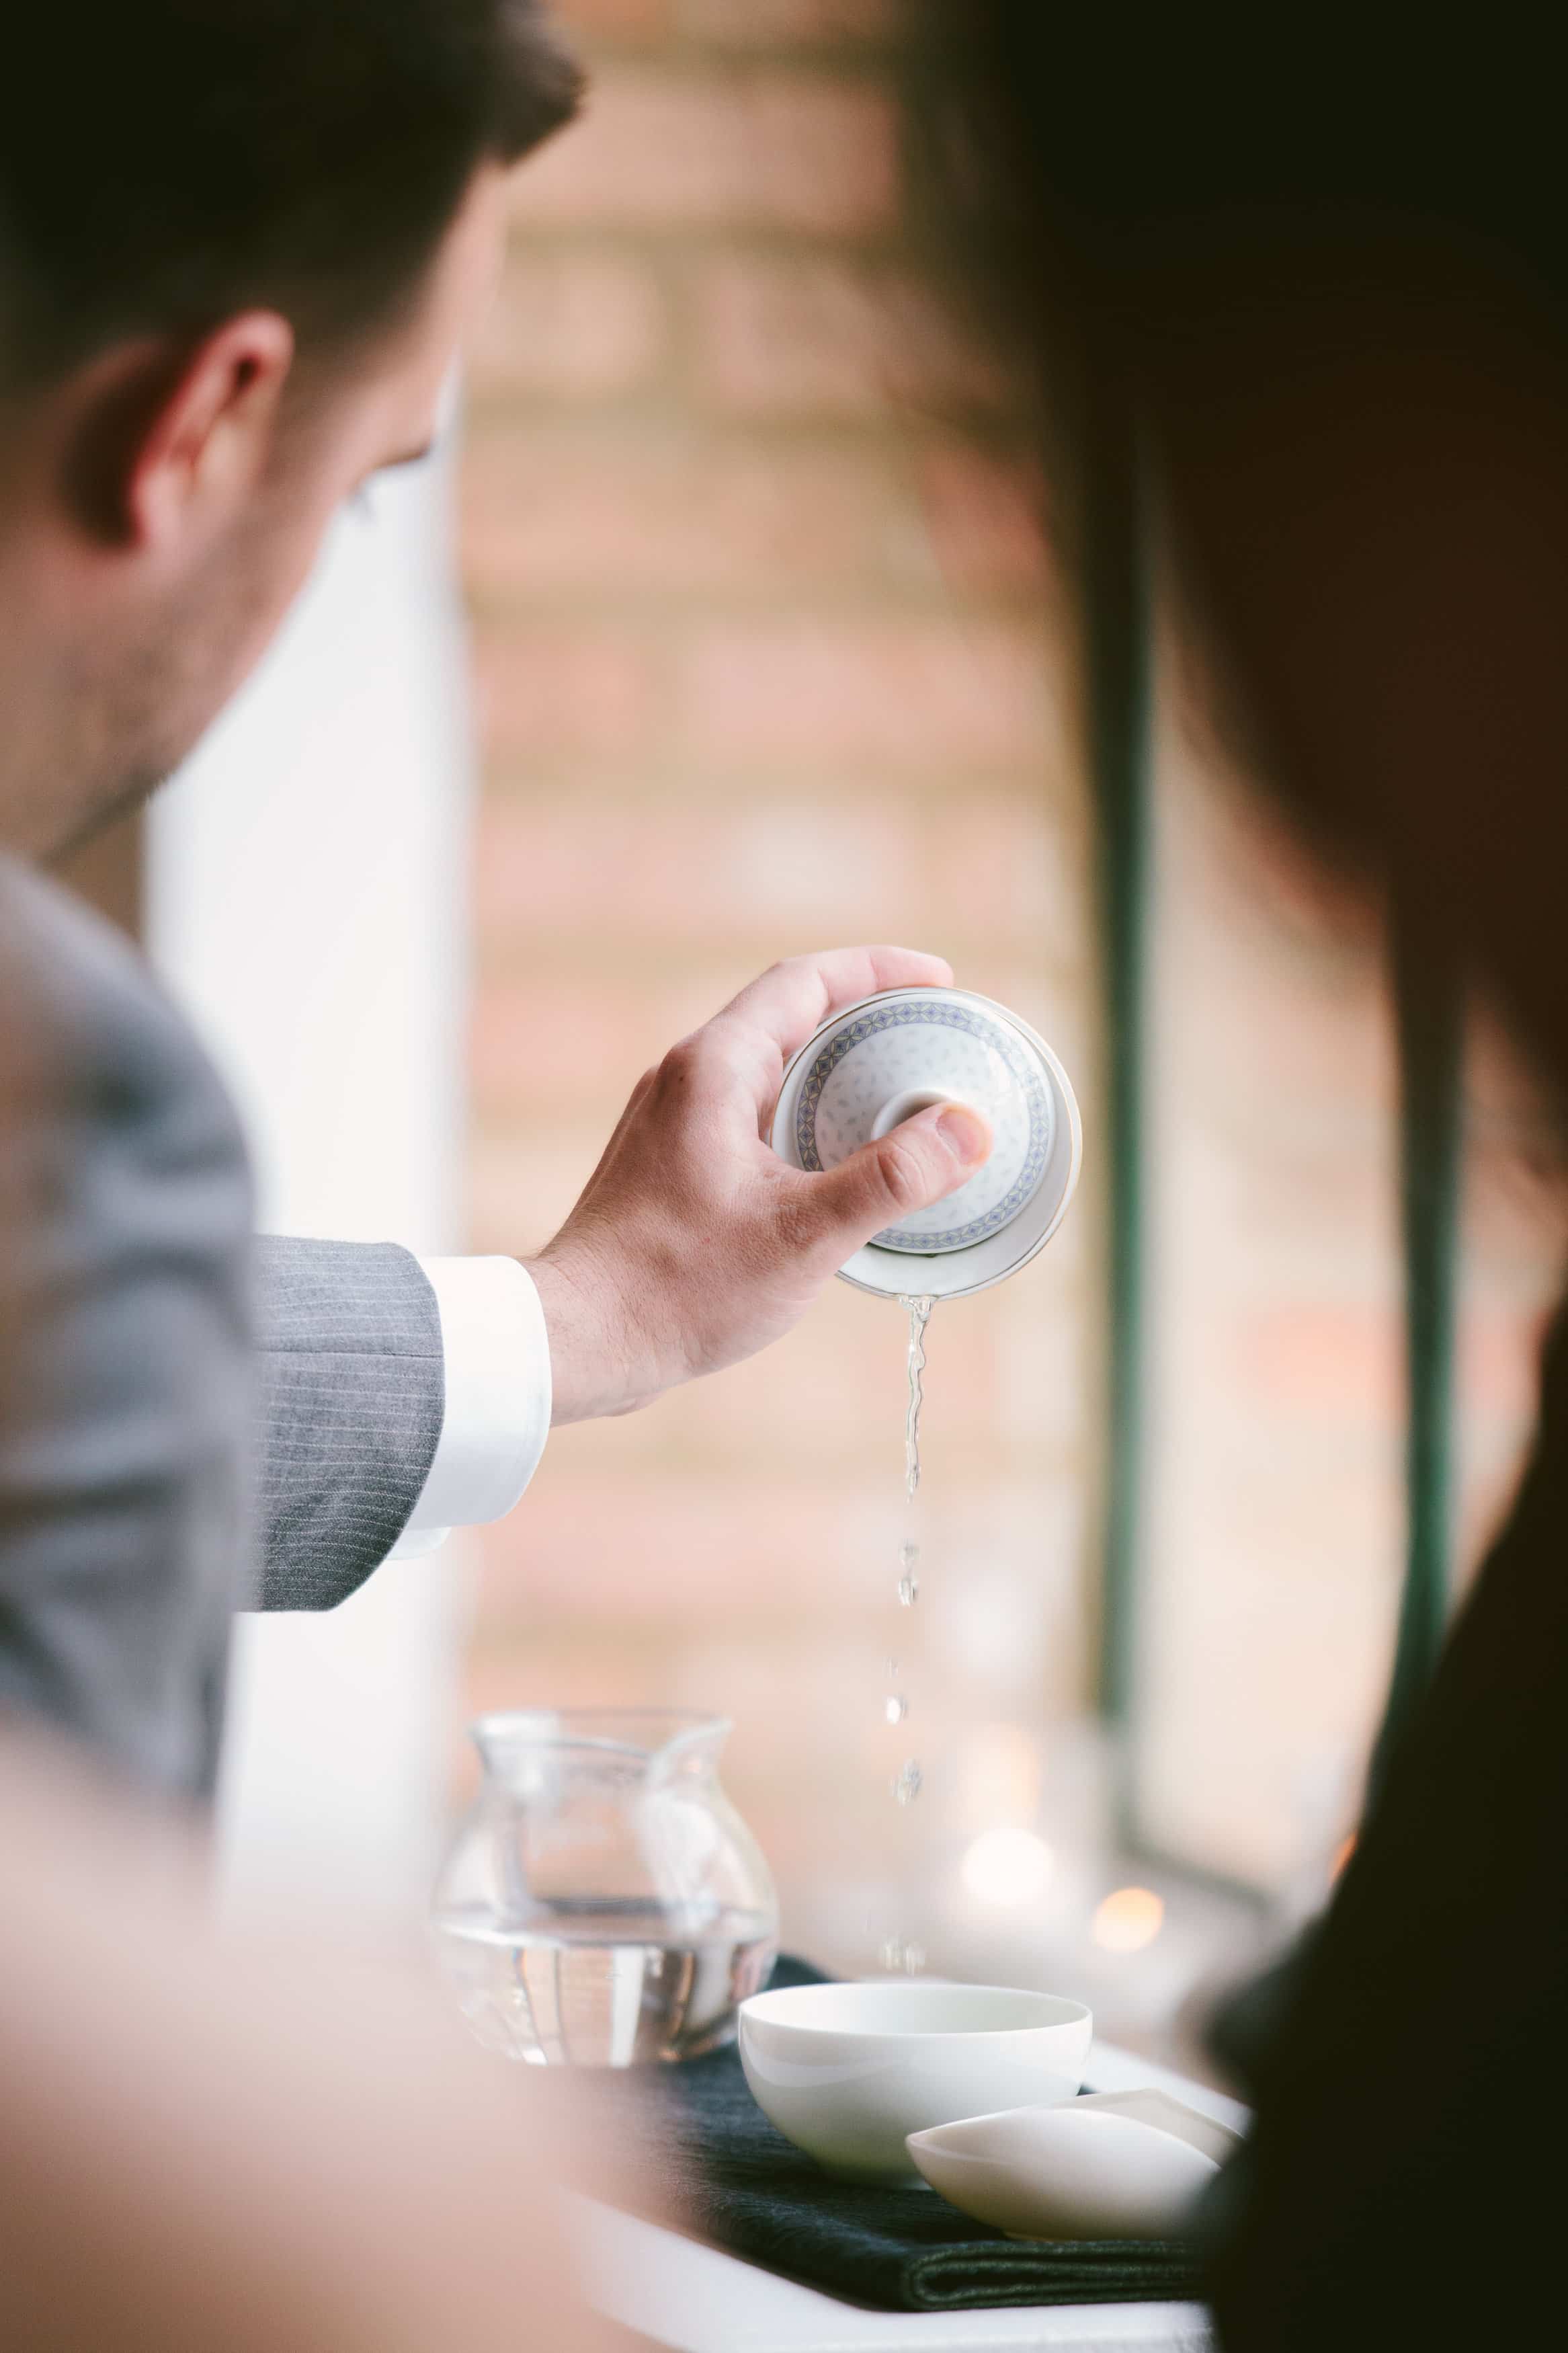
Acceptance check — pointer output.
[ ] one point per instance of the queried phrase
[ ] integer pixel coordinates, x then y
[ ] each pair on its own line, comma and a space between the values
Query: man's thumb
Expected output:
907, 1169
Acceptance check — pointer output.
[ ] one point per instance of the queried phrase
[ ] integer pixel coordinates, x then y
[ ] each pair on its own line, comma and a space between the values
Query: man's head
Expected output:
238, 243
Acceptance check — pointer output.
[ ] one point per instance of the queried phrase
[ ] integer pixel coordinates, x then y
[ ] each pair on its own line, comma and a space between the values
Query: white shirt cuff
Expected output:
497, 1397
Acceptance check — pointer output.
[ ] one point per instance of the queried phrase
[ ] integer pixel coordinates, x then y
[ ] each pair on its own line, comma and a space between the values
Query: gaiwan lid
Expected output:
874, 1065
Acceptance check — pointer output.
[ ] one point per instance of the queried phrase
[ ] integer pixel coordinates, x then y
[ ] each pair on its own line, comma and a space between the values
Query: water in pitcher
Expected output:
610, 1992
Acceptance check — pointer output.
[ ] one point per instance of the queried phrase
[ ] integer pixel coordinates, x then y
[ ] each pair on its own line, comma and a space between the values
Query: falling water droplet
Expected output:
908, 1574
895, 1707
908, 1781
904, 1954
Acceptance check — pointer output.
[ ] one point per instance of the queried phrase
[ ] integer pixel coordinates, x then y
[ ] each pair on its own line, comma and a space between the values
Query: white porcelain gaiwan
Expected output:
878, 1062
847, 2072
1112, 2165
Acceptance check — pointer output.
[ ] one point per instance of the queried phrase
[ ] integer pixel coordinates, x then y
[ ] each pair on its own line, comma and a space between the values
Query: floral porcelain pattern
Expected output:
931, 1046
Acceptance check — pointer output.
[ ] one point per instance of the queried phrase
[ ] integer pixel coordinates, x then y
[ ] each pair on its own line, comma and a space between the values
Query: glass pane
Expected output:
1274, 1528
1274, 1512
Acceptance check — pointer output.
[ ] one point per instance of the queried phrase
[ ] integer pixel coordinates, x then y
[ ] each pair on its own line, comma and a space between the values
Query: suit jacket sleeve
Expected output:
352, 1394
125, 1395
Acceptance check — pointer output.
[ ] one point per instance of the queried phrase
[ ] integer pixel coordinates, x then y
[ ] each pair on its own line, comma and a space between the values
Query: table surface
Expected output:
695, 2299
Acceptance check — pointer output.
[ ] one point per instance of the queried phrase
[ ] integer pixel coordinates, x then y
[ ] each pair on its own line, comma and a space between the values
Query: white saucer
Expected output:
1111, 2165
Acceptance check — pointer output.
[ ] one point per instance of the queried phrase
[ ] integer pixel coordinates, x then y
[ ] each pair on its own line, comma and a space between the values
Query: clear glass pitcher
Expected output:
603, 1902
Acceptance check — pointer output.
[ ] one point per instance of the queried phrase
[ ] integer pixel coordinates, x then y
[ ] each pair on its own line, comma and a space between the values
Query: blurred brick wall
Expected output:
763, 631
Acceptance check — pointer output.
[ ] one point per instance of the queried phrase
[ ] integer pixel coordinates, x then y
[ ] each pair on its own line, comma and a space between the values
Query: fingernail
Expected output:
966, 1135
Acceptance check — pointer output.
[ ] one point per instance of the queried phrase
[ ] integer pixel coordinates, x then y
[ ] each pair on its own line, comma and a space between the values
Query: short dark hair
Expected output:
164, 162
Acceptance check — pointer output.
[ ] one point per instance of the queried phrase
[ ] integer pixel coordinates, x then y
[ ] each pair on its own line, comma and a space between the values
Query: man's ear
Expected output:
207, 437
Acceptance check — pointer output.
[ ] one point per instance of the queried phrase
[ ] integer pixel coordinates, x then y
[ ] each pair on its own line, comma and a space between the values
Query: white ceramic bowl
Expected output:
847, 2072
1115, 2165
877, 1062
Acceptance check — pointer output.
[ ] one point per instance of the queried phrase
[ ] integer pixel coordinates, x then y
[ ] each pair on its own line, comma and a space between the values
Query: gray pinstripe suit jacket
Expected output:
190, 1421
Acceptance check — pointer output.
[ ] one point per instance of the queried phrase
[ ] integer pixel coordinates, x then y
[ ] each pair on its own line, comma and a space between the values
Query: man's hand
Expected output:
694, 1244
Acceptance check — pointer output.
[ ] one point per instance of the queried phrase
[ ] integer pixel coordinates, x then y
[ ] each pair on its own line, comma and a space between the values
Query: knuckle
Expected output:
683, 1063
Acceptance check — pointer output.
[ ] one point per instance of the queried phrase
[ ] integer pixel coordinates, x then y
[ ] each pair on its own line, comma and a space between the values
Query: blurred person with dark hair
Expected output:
1317, 268
239, 241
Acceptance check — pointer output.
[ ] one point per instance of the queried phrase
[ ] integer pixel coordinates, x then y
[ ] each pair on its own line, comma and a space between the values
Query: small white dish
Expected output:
1112, 2165
878, 1062
847, 2072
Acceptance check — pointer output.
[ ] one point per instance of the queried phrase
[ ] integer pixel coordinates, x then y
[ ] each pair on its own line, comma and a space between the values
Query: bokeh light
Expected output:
1007, 1867
1128, 1919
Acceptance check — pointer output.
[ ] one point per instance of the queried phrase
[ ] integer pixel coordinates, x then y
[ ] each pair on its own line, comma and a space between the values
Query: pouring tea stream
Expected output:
868, 1067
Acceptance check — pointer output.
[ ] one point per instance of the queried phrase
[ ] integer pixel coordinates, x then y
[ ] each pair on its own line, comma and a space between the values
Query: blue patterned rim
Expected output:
949, 1016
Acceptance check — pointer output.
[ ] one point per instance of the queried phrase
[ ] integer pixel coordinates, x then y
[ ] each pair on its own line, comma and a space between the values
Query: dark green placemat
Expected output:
906, 2250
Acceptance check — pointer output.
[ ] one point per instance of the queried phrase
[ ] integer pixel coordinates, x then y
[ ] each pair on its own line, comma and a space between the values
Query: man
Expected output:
239, 241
